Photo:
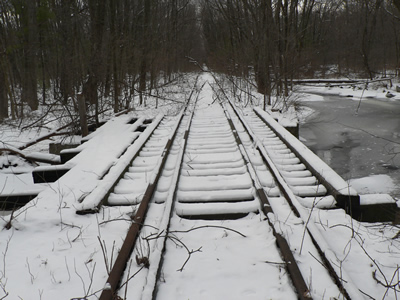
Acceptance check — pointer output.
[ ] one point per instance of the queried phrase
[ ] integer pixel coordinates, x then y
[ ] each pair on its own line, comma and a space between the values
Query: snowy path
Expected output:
208, 232
217, 201
214, 184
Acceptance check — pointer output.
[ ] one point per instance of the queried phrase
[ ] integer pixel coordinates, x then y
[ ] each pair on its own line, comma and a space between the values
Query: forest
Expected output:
108, 52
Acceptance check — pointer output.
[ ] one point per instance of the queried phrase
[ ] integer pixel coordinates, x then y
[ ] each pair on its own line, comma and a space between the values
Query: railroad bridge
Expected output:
213, 166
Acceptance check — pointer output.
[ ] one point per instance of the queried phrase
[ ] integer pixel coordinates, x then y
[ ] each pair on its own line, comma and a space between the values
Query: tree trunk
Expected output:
66, 46
145, 49
367, 38
29, 79
82, 115
113, 47
3, 93
97, 16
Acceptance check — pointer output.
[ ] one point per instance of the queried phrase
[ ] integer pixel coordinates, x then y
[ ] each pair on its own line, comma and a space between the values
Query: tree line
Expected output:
109, 48
275, 41
118, 49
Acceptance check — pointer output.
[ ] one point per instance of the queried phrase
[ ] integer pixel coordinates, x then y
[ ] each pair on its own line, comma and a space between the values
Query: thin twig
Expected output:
83, 282
208, 226
104, 255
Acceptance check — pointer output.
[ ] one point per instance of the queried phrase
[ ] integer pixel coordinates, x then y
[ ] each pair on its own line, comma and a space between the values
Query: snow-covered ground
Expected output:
384, 89
50, 252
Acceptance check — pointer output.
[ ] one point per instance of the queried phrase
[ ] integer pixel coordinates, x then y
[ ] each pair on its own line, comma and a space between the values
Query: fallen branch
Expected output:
55, 132
17, 152
33, 157
38, 120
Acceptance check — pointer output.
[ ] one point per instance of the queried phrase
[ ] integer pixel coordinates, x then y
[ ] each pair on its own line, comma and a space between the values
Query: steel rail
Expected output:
287, 255
111, 287
348, 289
114, 278
350, 202
343, 281
150, 290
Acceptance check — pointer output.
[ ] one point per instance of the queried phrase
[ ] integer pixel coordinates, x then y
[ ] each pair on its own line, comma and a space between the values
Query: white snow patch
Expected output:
373, 184
17, 183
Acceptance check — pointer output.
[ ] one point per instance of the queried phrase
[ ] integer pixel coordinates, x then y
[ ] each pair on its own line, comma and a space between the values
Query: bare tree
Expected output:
27, 14
3, 90
3, 83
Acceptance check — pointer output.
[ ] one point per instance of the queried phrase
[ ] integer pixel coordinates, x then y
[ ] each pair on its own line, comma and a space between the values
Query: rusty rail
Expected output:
287, 255
347, 288
111, 287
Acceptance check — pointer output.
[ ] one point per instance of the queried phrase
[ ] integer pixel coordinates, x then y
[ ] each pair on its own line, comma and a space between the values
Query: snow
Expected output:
17, 183
374, 189
359, 91
351, 240
50, 252
373, 199
93, 200
156, 253
226, 259
373, 184
277, 206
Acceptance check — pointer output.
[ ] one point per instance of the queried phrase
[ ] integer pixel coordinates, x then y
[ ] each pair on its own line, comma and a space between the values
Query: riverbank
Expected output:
356, 132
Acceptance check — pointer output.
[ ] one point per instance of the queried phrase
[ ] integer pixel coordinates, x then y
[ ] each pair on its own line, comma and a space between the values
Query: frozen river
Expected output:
356, 139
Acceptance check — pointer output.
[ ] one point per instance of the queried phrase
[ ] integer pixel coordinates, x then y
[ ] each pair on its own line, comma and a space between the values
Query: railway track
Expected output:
215, 198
